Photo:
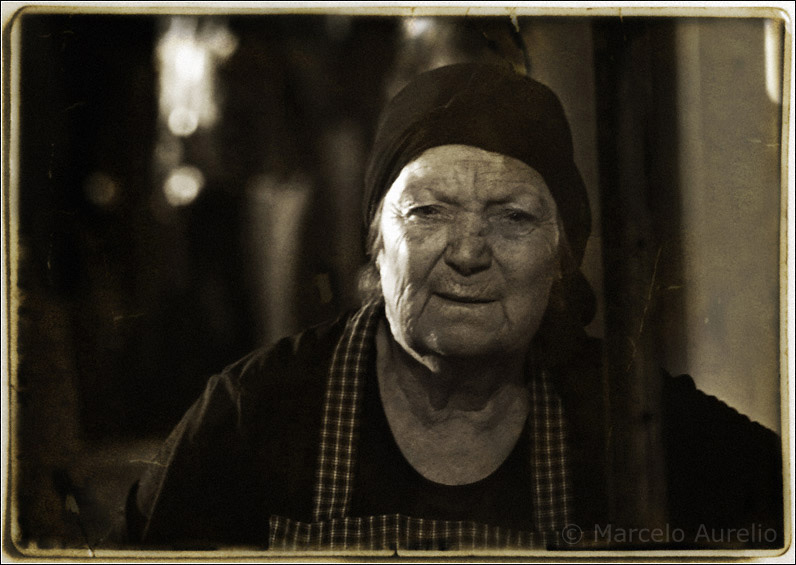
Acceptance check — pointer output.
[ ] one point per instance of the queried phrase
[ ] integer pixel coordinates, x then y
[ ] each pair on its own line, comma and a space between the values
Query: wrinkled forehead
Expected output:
462, 173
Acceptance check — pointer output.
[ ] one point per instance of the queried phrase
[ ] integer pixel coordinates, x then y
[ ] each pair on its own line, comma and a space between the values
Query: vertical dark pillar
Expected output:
639, 197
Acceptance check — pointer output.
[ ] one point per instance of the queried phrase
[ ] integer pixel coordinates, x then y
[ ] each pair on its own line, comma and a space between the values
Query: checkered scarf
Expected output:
332, 528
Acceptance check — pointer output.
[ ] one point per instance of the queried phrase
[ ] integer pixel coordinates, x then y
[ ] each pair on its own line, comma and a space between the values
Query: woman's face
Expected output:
469, 252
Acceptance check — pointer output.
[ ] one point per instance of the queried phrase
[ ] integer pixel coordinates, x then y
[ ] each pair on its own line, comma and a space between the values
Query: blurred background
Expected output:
188, 188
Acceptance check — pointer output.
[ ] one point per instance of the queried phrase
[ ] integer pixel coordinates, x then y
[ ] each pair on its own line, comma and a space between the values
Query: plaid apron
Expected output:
333, 529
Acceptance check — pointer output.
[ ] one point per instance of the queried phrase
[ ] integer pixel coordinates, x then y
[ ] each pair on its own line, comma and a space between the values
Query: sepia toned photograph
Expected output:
402, 282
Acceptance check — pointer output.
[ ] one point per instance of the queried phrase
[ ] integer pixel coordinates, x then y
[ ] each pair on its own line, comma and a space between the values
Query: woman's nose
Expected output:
468, 251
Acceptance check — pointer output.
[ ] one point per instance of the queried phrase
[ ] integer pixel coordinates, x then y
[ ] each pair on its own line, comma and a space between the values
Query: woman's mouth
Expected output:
466, 298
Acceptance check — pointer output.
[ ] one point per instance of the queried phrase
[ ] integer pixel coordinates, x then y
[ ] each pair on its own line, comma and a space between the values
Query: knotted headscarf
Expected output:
488, 107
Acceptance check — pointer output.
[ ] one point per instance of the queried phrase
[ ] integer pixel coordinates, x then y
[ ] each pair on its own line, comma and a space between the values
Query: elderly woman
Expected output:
461, 406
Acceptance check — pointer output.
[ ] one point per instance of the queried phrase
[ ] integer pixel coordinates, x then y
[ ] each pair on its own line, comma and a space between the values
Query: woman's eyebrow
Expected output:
529, 196
510, 199
533, 204
422, 191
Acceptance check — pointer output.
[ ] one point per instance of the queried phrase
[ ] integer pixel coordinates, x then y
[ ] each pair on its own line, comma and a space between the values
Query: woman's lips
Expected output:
466, 298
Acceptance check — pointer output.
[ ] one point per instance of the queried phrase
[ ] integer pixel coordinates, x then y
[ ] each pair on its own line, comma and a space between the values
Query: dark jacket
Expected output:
247, 449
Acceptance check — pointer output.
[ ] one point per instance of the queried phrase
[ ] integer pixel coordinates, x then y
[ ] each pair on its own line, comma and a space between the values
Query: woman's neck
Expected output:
455, 421
436, 389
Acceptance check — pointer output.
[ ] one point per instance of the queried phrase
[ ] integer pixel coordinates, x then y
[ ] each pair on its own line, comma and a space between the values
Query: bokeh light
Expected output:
183, 185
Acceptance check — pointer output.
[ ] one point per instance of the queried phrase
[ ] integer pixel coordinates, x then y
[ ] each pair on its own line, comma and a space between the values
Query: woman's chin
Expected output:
460, 341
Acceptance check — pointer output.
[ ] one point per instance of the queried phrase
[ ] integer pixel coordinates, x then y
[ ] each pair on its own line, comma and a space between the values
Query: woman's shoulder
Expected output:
723, 468
292, 361
270, 386
253, 427
708, 437
686, 406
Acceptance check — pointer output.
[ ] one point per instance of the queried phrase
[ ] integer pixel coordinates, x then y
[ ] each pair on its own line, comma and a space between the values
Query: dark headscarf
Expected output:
491, 108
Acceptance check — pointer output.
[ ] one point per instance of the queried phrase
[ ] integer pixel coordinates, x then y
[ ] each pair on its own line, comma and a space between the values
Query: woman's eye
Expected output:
515, 222
426, 212
518, 217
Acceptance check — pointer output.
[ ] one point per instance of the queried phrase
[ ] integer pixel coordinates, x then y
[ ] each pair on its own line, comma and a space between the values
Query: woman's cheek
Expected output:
422, 247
